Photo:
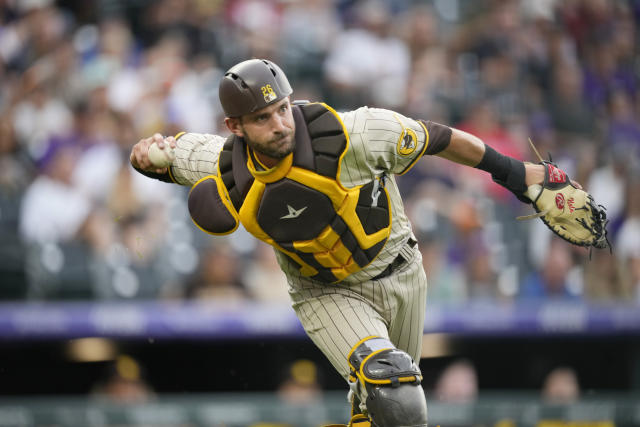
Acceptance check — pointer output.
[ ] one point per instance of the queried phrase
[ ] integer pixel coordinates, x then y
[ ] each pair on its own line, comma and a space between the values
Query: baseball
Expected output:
533, 191
161, 157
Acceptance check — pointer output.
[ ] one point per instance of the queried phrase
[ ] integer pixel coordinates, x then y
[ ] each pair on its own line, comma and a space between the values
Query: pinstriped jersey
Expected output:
380, 143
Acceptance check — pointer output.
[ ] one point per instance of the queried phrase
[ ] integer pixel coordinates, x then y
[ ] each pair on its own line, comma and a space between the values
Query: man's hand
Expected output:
139, 157
534, 174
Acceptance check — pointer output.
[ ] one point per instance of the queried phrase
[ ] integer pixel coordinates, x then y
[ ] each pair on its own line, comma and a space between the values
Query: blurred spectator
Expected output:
569, 113
52, 209
367, 65
561, 386
15, 173
628, 236
101, 158
607, 277
624, 130
605, 74
628, 240
432, 83
480, 275
38, 30
193, 99
300, 384
447, 284
134, 274
429, 208
175, 17
603, 279
308, 30
256, 29
114, 65
264, 279
607, 183
52, 116
553, 279
458, 383
124, 383
219, 275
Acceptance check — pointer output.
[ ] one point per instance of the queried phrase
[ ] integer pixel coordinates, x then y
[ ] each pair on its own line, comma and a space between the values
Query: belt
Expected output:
397, 262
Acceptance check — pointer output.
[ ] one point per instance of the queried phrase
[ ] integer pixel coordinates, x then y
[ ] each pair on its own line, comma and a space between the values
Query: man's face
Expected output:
269, 131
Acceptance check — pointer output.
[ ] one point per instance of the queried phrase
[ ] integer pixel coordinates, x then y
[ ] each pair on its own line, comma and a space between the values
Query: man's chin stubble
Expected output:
282, 153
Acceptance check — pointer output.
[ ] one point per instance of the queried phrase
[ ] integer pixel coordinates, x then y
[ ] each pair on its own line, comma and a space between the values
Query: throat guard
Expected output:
299, 206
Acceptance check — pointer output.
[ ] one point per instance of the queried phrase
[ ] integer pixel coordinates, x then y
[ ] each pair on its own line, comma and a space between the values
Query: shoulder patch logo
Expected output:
407, 143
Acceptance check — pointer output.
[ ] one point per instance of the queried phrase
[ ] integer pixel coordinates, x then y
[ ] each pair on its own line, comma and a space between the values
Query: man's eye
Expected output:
284, 107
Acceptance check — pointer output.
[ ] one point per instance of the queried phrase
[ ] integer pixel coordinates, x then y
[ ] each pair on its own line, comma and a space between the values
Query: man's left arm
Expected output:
560, 202
391, 141
469, 150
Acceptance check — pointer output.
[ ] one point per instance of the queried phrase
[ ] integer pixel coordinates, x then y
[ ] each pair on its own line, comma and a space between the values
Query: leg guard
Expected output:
356, 421
392, 382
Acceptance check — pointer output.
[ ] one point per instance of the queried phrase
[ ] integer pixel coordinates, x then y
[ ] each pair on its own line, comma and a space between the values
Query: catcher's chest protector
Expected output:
299, 206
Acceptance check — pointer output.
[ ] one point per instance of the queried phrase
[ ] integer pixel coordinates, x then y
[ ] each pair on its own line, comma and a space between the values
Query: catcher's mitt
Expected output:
568, 211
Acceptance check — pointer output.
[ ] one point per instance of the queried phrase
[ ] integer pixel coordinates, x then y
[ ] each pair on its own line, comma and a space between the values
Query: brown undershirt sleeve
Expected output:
164, 177
439, 137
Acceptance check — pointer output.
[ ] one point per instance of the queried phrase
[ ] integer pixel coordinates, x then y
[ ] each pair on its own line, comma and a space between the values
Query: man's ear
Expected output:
233, 124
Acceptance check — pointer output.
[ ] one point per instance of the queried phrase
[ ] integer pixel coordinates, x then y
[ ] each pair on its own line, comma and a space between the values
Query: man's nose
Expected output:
277, 123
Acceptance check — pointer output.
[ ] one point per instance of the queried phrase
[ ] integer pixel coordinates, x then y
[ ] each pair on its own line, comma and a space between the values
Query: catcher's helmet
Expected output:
252, 85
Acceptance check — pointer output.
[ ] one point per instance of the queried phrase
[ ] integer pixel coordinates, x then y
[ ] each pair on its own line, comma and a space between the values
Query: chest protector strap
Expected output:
299, 206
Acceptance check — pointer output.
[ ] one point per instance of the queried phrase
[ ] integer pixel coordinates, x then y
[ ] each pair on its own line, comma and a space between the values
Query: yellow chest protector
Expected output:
299, 206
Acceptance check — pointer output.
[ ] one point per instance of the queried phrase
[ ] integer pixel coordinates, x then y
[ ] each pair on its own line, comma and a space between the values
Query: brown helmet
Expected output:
252, 85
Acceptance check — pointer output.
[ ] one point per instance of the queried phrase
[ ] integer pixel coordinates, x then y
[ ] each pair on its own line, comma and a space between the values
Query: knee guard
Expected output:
392, 381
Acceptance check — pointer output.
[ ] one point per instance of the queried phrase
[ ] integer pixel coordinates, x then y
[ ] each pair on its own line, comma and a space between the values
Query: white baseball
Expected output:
533, 191
161, 157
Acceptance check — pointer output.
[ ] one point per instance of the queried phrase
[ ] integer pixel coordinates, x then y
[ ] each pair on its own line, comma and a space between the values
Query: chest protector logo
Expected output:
299, 206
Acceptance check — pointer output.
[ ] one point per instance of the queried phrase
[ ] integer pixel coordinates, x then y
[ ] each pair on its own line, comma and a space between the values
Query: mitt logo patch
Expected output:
571, 205
560, 201
407, 143
556, 175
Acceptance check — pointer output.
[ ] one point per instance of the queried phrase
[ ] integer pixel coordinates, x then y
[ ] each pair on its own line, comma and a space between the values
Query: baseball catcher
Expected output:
319, 187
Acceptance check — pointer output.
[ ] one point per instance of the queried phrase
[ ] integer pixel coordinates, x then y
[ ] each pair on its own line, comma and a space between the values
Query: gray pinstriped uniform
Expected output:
337, 316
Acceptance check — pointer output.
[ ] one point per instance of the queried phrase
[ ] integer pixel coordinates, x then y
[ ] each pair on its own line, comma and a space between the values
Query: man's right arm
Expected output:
196, 156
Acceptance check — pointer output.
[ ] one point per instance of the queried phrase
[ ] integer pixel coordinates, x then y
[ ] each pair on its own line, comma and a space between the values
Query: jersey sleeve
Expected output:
196, 157
383, 141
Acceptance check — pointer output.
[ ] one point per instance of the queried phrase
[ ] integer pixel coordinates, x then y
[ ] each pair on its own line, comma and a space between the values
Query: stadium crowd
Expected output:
81, 82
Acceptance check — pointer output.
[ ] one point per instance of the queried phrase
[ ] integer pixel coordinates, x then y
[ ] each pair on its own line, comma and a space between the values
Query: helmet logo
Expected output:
268, 93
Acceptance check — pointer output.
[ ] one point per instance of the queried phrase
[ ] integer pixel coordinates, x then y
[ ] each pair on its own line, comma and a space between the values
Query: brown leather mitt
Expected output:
568, 211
